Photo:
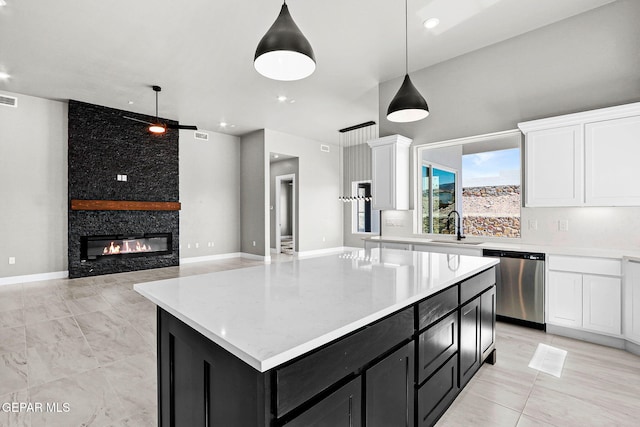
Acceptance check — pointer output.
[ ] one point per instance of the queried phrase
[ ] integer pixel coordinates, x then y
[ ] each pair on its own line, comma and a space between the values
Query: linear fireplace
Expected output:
149, 244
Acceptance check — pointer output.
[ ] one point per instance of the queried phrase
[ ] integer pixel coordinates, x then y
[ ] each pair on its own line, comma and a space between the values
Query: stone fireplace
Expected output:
123, 193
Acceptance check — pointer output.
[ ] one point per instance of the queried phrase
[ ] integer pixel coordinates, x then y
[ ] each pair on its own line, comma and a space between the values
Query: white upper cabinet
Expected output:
583, 159
554, 167
612, 151
390, 172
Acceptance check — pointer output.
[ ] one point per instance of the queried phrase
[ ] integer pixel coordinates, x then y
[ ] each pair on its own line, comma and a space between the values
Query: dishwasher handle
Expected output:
513, 254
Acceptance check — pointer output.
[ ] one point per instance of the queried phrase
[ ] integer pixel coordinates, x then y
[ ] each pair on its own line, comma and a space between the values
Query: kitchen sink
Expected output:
455, 242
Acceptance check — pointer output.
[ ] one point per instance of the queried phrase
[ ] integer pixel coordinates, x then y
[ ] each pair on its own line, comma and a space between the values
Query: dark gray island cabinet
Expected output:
403, 369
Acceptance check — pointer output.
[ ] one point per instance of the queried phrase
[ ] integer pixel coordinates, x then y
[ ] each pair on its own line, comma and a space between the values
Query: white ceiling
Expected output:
201, 53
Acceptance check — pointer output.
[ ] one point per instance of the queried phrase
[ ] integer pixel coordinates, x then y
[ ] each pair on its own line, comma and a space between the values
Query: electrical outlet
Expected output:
533, 224
254, 243
197, 245
563, 225
188, 245
12, 260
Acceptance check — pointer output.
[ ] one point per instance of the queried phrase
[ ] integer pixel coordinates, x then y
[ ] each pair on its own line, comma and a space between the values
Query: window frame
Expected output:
354, 209
416, 174
432, 166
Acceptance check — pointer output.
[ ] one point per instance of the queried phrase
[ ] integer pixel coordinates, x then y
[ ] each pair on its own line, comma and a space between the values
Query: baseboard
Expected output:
587, 336
632, 347
12, 280
266, 259
326, 251
192, 260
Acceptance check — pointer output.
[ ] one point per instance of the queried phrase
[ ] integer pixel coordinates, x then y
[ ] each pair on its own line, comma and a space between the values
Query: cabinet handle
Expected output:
406, 390
351, 411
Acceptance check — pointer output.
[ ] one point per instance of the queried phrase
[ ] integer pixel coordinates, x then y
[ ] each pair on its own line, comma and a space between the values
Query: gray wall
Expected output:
253, 194
33, 172
584, 62
319, 211
210, 195
282, 167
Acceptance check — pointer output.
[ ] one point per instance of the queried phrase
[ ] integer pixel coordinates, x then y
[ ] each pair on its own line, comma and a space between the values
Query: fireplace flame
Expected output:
126, 248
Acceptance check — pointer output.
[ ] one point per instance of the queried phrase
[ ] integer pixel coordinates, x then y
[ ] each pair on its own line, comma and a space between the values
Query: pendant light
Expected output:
284, 53
408, 105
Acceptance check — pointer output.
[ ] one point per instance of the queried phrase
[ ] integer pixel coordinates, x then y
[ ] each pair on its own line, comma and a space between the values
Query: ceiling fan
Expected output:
157, 127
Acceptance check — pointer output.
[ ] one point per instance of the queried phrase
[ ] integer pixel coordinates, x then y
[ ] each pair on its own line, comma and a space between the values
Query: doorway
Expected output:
285, 214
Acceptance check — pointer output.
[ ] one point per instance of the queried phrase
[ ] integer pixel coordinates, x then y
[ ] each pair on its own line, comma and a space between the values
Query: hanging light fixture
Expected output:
355, 158
408, 105
284, 53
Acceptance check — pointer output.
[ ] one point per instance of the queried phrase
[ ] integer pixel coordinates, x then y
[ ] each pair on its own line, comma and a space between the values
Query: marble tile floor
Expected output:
90, 343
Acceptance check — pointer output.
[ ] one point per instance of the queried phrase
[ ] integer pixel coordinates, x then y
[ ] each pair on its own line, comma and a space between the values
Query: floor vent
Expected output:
203, 136
8, 101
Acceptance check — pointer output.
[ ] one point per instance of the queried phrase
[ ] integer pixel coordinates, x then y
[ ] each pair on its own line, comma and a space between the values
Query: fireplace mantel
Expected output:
122, 205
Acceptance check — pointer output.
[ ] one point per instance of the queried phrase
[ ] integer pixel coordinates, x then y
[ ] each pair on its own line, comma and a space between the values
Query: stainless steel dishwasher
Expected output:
519, 287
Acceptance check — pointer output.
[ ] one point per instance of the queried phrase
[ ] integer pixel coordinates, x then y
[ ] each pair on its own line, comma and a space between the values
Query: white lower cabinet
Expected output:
582, 294
565, 299
632, 300
601, 304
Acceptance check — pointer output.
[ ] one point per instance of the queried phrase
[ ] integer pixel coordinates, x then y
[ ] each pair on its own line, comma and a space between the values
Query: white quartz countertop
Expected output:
600, 252
268, 315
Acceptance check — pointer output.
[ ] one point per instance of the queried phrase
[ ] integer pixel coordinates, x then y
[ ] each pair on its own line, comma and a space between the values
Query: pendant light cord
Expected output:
406, 37
156, 106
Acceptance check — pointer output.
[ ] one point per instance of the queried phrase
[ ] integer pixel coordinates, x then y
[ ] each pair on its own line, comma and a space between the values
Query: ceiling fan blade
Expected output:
136, 120
179, 126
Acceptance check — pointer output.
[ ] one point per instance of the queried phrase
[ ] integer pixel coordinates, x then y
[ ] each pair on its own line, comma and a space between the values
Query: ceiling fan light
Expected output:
408, 105
157, 129
284, 53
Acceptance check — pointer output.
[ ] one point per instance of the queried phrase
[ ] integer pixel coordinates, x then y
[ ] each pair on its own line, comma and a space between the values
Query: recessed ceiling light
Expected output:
3, 3
3, 75
282, 98
291, 101
223, 124
431, 23
232, 126
275, 156
130, 102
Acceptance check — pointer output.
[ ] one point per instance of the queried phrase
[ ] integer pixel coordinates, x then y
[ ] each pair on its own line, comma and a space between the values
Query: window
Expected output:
438, 198
491, 193
480, 177
365, 219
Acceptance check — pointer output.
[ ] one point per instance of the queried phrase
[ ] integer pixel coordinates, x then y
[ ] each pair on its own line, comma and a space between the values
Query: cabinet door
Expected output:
601, 304
565, 299
487, 322
436, 345
469, 340
611, 162
383, 174
554, 167
390, 391
342, 408
632, 300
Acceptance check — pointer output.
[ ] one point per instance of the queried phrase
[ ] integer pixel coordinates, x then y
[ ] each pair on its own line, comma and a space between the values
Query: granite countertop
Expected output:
268, 315
508, 246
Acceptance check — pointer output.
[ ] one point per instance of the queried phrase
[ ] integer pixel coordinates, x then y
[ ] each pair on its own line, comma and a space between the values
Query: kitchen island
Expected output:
380, 337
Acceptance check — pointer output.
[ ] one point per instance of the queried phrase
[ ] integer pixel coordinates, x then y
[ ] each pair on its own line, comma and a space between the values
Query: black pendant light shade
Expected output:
408, 105
284, 53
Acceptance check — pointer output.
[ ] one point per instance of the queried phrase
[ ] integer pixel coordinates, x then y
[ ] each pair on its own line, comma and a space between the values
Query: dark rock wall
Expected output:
102, 145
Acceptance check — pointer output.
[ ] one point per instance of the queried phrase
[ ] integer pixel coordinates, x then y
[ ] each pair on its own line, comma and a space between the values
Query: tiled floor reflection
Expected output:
91, 343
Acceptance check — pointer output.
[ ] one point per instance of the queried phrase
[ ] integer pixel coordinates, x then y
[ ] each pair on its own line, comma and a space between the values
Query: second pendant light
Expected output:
408, 105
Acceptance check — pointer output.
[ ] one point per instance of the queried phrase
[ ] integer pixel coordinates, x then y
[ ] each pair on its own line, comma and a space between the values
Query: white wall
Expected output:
210, 195
582, 63
33, 173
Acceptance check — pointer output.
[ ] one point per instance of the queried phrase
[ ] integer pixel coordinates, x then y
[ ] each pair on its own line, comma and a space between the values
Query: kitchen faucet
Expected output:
459, 235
